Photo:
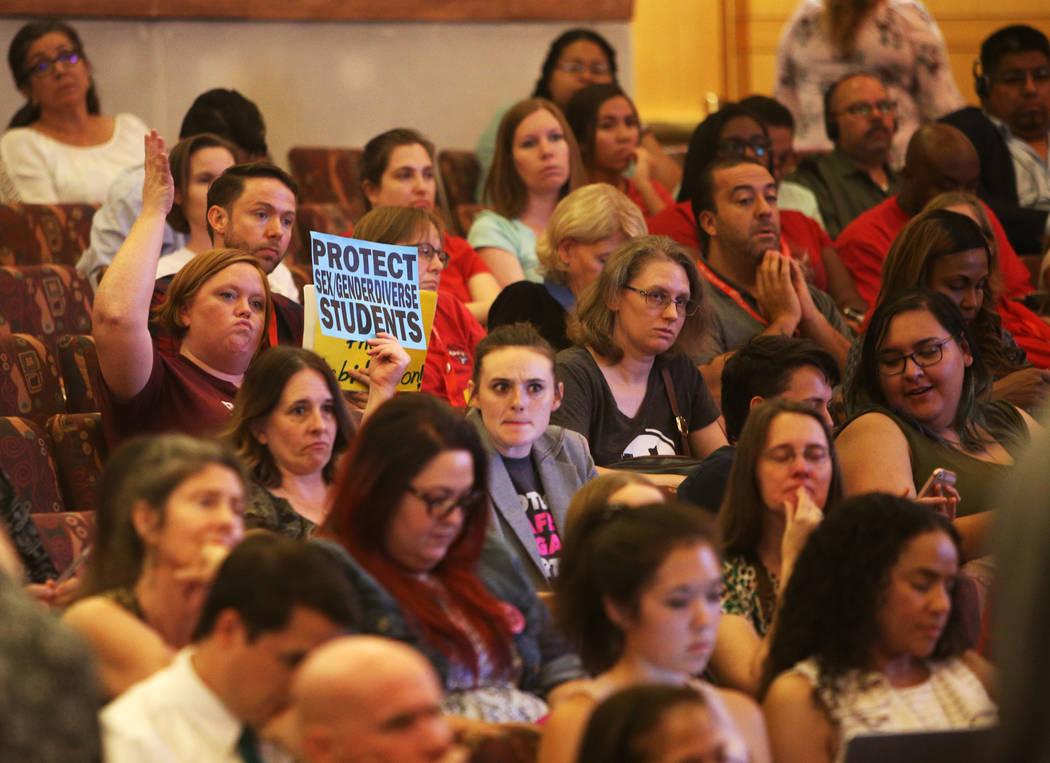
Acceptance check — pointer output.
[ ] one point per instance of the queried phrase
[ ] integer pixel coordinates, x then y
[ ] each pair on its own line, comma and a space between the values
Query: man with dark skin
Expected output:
1011, 131
855, 176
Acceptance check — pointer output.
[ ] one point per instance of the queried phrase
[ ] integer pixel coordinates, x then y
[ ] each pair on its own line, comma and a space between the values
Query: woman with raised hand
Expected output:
534, 466
58, 146
784, 476
408, 524
170, 509
629, 372
608, 131
535, 165
397, 170
638, 597
586, 228
869, 638
920, 389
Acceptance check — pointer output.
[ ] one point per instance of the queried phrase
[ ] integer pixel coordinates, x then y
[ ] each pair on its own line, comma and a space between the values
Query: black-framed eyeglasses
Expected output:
759, 145
659, 300
440, 507
45, 65
1018, 77
596, 68
428, 253
865, 109
924, 357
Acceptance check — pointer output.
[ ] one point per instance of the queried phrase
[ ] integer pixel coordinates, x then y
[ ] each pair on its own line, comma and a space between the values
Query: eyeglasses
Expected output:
659, 300
924, 357
596, 68
785, 454
865, 109
1018, 77
45, 65
759, 146
440, 507
427, 253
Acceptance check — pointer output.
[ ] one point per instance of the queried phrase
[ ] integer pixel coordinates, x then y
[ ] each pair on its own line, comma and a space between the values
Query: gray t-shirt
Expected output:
589, 408
731, 326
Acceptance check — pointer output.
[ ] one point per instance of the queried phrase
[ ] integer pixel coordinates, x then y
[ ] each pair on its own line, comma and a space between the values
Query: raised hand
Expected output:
158, 187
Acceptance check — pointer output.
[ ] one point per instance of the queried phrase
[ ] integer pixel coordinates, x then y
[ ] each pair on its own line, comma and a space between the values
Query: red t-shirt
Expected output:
463, 264
450, 352
866, 241
179, 396
801, 234
634, 195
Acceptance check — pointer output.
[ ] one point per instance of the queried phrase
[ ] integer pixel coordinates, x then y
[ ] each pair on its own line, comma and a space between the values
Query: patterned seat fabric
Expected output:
328, 175
78, 451
29, 382
45, 301
44, 233
460, 173
65, 535
25, 455
78, 364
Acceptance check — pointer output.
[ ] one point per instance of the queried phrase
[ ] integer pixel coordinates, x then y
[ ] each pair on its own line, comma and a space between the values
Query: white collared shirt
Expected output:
281, 280
1030, 170
173, 717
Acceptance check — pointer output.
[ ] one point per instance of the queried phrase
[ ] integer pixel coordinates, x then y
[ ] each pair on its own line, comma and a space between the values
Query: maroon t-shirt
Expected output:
179, 397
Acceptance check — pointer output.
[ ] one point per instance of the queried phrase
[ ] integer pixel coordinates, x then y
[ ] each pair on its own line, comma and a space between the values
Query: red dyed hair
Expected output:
391, 448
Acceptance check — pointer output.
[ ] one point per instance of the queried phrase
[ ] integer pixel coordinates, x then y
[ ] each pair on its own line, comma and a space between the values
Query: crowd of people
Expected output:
706, 459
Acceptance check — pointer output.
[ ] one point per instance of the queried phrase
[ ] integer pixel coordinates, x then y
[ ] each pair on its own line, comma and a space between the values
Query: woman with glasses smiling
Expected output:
630, 386
59, 148
450, 348
408, 524
922, 372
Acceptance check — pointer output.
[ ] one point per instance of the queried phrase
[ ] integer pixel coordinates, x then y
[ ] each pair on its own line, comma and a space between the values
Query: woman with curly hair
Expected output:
869, 637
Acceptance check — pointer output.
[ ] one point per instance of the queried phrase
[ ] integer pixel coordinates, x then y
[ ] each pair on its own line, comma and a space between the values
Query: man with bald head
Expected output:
861, 120
940, 158
366, 699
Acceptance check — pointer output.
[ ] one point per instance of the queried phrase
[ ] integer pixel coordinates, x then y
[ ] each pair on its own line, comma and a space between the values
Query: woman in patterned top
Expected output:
869, 637
170, 510
784, 475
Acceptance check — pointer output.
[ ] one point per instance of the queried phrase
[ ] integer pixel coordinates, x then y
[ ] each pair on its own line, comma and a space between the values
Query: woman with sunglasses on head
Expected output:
920, 405
397, 170
607, 129
59, 147
450, 348
630, 387
734, 131
408, 524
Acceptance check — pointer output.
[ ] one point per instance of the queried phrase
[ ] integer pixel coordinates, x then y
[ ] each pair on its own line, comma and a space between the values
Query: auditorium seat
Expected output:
78, 365
460, 173
25, 456
78, 451
31, 234
328, 175
29, 382
45, 301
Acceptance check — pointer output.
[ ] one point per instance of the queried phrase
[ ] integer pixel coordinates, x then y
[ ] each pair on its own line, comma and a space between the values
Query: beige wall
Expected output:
679, 54
321, 83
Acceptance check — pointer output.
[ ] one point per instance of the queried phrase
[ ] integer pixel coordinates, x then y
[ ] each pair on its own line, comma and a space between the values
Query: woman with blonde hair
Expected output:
535, 165
586, 227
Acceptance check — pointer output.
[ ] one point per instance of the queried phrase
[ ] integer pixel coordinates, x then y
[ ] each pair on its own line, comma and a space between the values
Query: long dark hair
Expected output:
582, 115
391, 448
703, 146
564, 40
16, 60
830, 606
866, 386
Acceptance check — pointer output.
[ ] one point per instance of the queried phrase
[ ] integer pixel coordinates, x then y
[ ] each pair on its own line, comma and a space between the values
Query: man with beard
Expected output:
1011, 132
860, 119
252, 207
751, 286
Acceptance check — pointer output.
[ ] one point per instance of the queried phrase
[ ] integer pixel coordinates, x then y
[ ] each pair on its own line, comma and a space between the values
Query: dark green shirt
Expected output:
843, 189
